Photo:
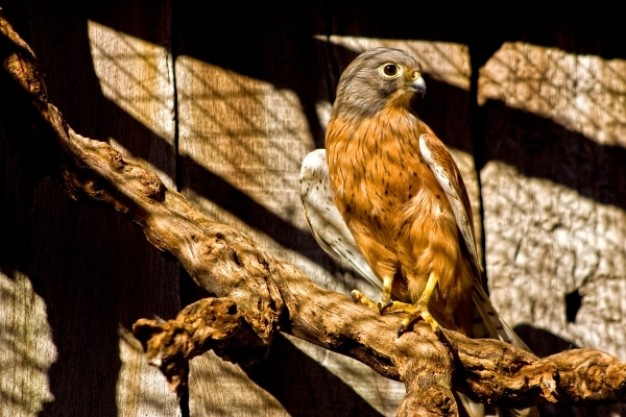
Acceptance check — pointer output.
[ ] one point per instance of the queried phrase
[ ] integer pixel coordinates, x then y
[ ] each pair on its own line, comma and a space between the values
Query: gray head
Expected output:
377, 76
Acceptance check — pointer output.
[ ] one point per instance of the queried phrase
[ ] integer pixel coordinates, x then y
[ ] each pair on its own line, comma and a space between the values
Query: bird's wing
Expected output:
489, 321
445, 170
327, 225
449, 178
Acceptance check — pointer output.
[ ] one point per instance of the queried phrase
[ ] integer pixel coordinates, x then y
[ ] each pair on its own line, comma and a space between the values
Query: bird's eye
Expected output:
390, 70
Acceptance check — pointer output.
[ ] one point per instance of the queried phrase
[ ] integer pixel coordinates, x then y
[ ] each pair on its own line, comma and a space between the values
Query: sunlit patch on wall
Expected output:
245, 130
544, 241
136, 376
136, 75
27, 350
584, 93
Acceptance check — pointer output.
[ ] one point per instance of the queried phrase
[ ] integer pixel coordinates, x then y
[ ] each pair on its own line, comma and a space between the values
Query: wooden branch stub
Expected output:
500, 374
209, 324
589, 376
20, 62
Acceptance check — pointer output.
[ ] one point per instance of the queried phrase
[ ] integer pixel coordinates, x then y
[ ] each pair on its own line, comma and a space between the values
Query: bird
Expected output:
392, 197
334, 237
400, 192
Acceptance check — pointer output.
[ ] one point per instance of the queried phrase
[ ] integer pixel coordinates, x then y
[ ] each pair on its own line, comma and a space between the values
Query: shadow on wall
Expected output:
304, 387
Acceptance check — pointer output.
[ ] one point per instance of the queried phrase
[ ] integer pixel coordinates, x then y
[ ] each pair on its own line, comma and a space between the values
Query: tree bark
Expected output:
256, 295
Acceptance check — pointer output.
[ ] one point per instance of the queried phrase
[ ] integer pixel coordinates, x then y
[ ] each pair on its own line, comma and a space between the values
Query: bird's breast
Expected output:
376, 167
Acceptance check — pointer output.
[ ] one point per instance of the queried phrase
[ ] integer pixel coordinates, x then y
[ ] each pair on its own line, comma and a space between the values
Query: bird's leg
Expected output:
385, 298
417, 310
420, 307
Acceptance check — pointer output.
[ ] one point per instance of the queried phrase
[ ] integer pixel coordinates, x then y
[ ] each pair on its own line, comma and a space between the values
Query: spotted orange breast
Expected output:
396, 209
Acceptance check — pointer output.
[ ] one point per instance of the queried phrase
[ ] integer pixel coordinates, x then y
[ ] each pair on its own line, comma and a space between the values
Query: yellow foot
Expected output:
420, 308
384, 305
385, 299
416, 311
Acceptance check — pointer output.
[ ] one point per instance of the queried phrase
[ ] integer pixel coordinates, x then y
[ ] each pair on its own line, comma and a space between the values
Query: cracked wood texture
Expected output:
227, 124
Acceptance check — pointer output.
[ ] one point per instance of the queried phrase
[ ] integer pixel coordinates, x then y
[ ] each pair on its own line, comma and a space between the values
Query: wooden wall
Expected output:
224, 106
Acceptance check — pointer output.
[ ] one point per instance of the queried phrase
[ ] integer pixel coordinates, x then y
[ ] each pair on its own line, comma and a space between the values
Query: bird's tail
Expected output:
489, 324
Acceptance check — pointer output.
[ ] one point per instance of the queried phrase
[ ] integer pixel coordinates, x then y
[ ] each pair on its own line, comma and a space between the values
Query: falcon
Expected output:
391, 197
401, 194
333, 236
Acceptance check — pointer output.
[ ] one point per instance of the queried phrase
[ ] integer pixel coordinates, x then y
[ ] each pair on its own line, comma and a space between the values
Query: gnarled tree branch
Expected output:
257, 295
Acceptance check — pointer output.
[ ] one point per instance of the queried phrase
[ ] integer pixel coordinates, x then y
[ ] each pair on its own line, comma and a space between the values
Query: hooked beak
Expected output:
418, 86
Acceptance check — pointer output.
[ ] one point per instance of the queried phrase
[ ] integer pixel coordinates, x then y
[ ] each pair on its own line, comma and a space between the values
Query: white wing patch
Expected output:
452, 191
327, 225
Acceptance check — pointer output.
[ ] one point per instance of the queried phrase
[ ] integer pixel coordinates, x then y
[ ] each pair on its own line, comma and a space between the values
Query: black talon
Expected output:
382, 307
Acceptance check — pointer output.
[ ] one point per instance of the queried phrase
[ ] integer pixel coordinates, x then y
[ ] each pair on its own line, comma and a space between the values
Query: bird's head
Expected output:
378, 77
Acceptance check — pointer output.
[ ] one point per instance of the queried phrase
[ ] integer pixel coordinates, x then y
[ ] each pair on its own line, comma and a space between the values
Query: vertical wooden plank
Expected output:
86, 273
555, 205
136, 75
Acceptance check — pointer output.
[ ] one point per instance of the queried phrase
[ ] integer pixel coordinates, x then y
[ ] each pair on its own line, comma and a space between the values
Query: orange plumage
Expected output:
400, 192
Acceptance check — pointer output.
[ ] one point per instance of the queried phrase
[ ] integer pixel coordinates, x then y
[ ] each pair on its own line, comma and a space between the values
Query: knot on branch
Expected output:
209, 324
227, 263
112, 168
